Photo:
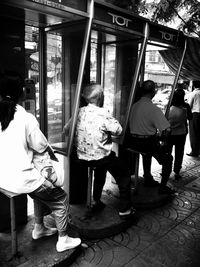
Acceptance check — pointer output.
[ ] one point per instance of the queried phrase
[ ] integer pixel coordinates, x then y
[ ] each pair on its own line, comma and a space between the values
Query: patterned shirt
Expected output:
93, 132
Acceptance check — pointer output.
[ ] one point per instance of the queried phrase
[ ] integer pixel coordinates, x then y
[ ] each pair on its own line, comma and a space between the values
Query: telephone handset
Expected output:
29, 101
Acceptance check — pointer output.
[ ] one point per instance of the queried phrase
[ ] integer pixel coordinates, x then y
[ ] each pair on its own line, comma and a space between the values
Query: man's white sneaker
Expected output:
66, 242
44, 231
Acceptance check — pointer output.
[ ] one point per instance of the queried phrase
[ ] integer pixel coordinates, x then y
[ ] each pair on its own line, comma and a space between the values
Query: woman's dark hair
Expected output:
196, 84
11, 89
178, 98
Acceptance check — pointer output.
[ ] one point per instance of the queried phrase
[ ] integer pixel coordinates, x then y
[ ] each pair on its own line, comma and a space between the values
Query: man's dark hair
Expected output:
148, 87
179, 86
196, 84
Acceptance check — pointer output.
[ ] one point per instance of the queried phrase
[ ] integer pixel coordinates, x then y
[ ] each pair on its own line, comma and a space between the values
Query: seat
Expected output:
90, 186
137, 161
60, 148
90, 173
11, 197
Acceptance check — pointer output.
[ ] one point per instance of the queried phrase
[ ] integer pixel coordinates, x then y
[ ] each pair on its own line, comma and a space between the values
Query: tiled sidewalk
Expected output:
168, 236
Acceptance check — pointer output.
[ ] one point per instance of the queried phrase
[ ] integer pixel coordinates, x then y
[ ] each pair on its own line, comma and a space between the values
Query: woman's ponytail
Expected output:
11, 88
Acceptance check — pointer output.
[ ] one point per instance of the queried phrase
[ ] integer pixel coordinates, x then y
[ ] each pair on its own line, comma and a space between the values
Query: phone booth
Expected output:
70, 43
12, 55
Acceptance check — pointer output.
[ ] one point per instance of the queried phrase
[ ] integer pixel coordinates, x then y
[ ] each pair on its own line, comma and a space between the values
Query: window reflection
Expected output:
54, 87
157, 70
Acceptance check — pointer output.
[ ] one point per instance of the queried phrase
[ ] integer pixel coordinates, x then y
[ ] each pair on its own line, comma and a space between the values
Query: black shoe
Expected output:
151, 183
192, 154
165, 190
127, 214
177, 176
98, 206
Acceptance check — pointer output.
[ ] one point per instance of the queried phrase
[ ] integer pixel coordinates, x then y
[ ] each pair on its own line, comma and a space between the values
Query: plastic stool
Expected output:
89, 186
137, 161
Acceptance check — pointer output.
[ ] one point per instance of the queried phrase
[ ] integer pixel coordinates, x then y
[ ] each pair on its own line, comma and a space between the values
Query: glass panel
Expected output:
93, 58
63, 53
54, 87
116, 66
32, 61
109, 77
157, 70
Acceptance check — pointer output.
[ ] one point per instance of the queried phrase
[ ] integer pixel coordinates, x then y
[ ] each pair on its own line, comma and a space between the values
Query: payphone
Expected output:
29, 101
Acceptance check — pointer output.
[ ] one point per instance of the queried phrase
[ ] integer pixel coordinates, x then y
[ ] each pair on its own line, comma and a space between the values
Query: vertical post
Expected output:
176, 80
78, 93
42, 81
135, 78
137, 162
13, 226
89, 188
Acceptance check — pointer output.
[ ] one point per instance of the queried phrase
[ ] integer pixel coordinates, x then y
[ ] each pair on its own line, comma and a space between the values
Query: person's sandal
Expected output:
44, 231
151, 183
192, 155
127, 214
177, 176
165, 190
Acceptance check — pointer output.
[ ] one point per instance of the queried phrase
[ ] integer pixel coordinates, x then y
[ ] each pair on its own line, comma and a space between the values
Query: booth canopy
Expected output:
191, 65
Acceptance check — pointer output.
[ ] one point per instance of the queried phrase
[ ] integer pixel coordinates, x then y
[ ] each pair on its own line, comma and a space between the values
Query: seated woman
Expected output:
20, 140
93, 144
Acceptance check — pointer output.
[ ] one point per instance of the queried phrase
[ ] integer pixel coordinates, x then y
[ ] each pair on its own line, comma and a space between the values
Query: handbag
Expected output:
48, 168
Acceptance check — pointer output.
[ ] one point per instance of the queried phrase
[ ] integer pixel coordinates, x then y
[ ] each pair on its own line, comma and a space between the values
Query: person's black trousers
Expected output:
118, 169
194, 132
178, 141
152, 147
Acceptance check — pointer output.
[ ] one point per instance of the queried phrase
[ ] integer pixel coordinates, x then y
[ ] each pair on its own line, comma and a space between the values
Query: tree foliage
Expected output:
180, 14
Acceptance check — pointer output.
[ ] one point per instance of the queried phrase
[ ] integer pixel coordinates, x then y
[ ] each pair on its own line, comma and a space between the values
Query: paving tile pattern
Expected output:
167, 236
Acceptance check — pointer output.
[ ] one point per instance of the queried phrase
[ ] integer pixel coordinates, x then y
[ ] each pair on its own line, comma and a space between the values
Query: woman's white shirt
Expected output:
17, 143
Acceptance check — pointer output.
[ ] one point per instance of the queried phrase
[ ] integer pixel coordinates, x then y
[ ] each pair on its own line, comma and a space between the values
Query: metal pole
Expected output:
89, 188
13, 226
80, 78
42, 81
175, 80
78, 91
135, 79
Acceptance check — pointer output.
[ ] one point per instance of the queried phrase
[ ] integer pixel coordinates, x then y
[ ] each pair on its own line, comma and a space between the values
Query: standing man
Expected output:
194, 124
148, 126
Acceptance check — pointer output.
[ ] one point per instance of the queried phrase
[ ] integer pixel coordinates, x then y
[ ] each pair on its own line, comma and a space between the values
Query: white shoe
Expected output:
128, 213
44, 231
66, 242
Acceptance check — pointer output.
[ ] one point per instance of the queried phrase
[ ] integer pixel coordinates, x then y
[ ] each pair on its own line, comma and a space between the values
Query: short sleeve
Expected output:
161, 123
111, 124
